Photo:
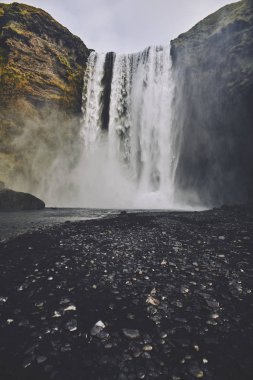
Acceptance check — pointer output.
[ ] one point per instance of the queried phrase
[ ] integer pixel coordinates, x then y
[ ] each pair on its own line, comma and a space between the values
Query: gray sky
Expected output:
127, 25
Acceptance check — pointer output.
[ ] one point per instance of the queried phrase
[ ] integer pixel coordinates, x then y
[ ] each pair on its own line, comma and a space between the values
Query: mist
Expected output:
47, 151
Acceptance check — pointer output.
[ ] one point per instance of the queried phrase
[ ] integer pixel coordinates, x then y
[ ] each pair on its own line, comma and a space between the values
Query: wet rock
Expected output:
41, 359
147, 348
97, 328
152, 300
70, 308
71, 325
195, 371
3, 300
131, 334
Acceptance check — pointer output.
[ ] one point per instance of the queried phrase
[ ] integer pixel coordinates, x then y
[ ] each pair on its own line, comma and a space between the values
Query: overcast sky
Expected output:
127, 25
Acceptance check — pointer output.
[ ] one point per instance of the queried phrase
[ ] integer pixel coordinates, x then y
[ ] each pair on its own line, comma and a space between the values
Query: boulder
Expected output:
14, 201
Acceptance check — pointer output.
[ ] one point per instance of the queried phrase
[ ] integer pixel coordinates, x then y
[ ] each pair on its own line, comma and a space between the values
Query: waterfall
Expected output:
128, 158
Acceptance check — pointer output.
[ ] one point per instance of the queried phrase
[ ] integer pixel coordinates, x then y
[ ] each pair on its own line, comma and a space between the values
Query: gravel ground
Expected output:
163, 296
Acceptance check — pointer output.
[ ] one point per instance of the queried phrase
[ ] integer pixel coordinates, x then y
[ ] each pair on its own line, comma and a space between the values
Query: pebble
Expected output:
196, 372
71, 325
3, 300
56, 314
70, 308
41, 359
131, 334
147, 348
97, 328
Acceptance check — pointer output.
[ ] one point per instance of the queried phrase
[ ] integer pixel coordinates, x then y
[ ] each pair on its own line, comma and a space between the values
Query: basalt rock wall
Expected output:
213, 66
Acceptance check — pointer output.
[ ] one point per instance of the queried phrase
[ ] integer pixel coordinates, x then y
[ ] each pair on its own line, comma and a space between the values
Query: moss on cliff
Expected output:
41, 81
40, 56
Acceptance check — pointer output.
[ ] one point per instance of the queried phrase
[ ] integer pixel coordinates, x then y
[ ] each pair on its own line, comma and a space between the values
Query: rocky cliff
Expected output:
41, 80
213, 65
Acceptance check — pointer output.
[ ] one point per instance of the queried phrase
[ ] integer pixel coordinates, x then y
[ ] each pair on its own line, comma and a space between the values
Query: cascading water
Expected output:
128, 158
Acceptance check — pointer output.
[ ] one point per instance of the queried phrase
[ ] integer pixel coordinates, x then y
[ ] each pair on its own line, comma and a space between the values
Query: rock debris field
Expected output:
163, 296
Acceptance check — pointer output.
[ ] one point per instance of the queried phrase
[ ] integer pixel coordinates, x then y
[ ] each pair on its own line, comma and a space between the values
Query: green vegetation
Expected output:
16, 28
3, 56
39, 77
63, 60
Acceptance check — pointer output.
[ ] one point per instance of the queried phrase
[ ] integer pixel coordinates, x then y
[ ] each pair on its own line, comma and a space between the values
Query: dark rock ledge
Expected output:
11, 200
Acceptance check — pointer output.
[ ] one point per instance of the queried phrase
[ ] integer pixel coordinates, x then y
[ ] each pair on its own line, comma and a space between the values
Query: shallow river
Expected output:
15, 223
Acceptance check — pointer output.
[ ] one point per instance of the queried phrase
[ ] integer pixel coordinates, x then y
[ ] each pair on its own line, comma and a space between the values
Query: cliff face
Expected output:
41, 80
213, 65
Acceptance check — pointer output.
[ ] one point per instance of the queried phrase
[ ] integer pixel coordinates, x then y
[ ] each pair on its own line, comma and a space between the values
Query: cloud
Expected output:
127, 25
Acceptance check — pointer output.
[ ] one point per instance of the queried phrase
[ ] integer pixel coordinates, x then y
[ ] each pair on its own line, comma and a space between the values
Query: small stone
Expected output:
27, 362
184, 289
97, 328
66, 348
196, 372
152, 300
39, 304
64, 301
71, 325
70, 308
41, 359
3, 300
56, 314
147, 348
146, 355
131, 334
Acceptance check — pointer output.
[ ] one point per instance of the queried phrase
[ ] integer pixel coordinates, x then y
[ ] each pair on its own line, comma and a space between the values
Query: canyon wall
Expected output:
41, 82
213, 65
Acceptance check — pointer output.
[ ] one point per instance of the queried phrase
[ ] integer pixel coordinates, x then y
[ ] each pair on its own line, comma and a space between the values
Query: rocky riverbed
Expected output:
163, 296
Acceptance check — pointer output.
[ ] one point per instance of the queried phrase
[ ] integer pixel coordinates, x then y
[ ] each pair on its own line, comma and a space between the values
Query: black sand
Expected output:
172, 292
